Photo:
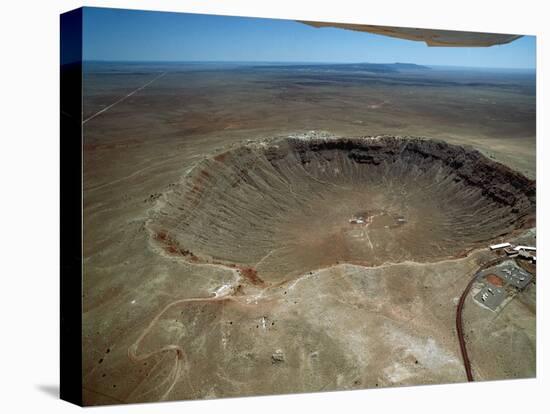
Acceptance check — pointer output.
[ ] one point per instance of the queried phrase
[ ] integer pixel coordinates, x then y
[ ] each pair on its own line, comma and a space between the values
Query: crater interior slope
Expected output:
285, 206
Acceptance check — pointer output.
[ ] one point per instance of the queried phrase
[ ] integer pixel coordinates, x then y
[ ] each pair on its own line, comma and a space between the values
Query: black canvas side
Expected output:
71, 206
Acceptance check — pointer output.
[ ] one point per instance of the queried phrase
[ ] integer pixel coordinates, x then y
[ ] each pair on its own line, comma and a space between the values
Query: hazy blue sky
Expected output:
125, 35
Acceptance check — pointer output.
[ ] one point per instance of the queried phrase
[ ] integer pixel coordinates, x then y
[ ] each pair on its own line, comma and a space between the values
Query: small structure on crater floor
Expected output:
378, 219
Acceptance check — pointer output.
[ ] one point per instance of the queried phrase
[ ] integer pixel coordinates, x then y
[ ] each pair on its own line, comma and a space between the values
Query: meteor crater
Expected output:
285, 206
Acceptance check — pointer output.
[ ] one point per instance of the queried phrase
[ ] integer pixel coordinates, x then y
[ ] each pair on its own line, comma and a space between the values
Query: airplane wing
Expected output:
431, 37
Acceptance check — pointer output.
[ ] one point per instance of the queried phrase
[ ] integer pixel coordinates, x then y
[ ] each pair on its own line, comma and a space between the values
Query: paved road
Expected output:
123, 98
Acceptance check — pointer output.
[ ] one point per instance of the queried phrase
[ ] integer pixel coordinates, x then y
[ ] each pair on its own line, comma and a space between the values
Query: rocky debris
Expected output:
251, 275
152, 198
278, 357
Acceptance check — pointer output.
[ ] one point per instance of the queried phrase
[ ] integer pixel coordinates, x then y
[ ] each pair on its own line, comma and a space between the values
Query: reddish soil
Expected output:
171, 246
221, 157
250, 274
494, 280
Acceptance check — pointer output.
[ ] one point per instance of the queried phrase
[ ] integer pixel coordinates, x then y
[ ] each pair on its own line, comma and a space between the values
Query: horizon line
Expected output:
303, 62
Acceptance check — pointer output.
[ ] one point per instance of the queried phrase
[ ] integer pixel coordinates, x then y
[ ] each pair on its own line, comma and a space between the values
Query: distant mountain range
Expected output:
351, 67
135, 67
410, 66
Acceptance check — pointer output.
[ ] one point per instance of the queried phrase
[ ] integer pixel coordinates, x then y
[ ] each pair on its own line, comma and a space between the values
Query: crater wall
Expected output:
288, 205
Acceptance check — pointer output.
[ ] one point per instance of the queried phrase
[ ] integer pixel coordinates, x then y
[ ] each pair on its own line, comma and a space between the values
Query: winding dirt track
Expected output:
180, 357
179, 353
459, 327
460, 333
